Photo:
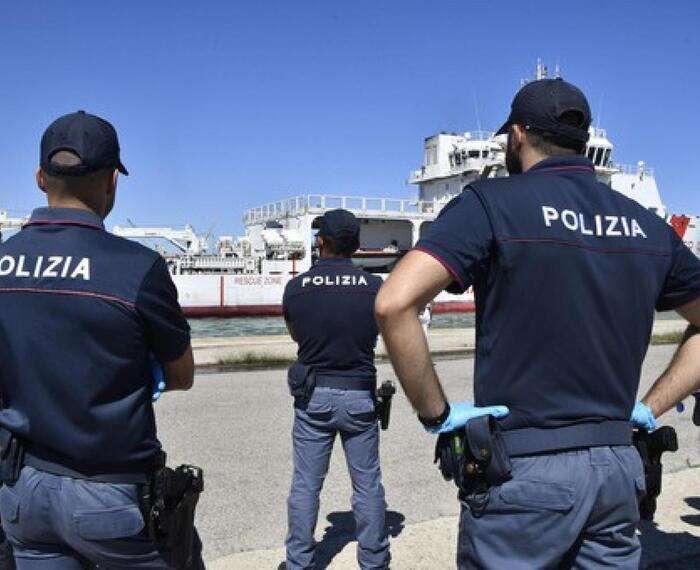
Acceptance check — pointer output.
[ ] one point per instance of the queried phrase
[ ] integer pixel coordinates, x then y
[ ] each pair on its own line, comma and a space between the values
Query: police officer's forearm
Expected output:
179, 373
409, 354
290, 330
413, 283
681, 378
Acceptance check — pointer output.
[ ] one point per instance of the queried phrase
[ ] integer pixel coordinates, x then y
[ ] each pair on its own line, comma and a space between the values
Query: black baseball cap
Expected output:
341, 227
92, 138
541, 105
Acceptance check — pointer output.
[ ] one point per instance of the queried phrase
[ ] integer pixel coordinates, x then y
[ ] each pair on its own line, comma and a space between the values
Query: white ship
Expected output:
246, 276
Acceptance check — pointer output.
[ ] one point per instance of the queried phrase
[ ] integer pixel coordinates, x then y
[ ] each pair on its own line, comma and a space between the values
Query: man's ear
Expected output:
113, 182
40, 180
319, 241
519, 134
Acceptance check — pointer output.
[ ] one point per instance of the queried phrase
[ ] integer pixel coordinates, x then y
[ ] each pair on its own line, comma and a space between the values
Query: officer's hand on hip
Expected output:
462, 412
642, 417
158, 378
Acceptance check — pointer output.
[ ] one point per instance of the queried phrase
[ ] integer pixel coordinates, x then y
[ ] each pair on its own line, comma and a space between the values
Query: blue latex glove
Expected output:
462, 412
643, 417
158, 379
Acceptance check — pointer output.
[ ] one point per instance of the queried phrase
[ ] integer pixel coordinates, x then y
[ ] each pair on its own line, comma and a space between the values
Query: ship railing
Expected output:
363, 204
469, 164
319, 202
416, 175
598, 132
213, 262
634, 169
274, 210
479, 135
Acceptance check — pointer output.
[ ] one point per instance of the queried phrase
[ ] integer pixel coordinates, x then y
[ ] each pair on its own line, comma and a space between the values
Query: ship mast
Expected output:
541, 72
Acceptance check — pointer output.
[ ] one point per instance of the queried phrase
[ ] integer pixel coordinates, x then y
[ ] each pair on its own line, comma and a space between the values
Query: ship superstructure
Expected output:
9, 223
452, 160
247, 275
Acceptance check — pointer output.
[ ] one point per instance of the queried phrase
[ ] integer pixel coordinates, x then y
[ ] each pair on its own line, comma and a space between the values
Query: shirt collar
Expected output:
65, 217
334, 261
564, 163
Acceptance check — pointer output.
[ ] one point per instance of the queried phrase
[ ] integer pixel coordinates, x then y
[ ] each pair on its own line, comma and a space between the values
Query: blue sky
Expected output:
225, 105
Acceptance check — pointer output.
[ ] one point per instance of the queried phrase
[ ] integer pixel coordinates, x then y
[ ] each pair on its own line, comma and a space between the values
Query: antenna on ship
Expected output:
541, 70
540, 73
476, 112
209, 233
600, 110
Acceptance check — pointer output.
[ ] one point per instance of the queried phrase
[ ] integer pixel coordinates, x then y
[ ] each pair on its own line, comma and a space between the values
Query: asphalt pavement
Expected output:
237, 427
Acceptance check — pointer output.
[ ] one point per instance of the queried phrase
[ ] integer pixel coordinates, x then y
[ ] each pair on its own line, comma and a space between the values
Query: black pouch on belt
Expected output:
302, 381
475, 457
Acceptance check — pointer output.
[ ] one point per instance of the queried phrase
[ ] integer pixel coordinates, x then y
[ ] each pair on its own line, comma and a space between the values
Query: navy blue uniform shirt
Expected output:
567, 274
330, 310
80, 310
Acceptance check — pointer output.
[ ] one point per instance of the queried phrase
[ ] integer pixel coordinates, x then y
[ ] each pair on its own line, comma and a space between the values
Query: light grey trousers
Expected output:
349, 413
575, 509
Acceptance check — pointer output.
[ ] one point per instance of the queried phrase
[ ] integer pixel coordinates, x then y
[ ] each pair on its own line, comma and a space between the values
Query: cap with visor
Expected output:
90, 137
341, 227
547, 106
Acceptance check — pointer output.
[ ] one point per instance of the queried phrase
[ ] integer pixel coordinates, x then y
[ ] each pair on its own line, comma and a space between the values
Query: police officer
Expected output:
329, 311
80, 312
567, 274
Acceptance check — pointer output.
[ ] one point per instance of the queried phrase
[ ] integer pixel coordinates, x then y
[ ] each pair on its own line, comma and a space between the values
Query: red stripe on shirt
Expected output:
583, 246
91, 294
62, 223
575, 168
444, 263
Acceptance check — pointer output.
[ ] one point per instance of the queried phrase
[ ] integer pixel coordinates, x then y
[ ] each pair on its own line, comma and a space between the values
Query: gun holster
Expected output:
650, 447
302, 381
474, 457
168, 504
383, 406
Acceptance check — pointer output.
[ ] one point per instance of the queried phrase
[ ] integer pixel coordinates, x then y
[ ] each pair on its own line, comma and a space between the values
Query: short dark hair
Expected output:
339, 249
550, 144
79, 185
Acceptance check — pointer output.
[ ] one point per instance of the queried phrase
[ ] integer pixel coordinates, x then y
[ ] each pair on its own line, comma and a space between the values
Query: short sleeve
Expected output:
460, 239
682, 283
167, 330
285, 301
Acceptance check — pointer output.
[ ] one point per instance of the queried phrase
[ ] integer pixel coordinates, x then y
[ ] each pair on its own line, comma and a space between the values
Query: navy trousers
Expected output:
62, 523
351, 414
576, 509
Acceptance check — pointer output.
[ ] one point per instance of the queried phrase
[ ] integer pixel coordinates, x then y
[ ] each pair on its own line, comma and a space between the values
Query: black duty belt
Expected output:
531, 441
38, 458
345, 382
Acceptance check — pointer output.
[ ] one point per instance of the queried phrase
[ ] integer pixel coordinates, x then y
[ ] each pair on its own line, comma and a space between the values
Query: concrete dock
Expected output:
237, 427
443, 342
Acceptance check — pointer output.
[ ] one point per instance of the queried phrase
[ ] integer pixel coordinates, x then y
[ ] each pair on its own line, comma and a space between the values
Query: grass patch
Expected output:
253, 359
667, 338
